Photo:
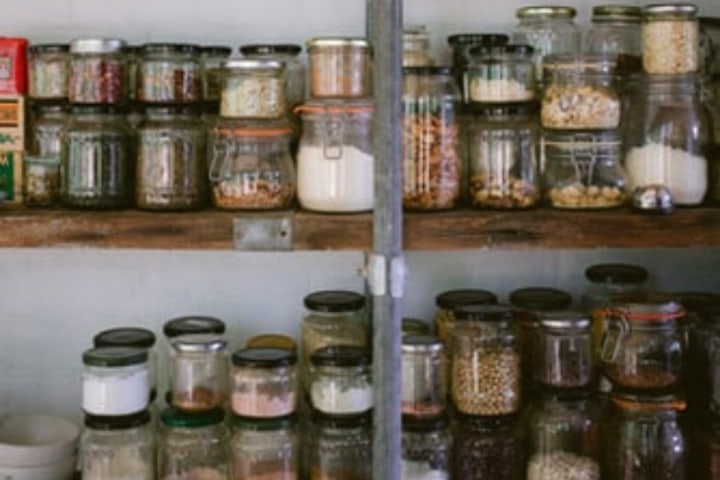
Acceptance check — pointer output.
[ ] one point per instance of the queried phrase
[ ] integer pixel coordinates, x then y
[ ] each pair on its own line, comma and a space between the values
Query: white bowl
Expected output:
62, 470
34, 440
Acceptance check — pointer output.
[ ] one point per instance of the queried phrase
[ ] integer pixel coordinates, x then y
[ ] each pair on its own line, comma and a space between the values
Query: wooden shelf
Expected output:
463, 229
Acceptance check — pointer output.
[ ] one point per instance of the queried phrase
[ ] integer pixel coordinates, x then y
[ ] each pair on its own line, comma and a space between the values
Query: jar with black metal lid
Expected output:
446, 302
211, 60
424, 381
340, 447
416, 46
415, 326
616, 31
341, 380
194, 325
670, 39
116, 381
98, 71
265, 448
253, 89
564, 351
169, 73
500, 74
340, 67
46, 129
425, 449
460, 43
49, 71
264, 383
97, 161
290, 55
199, 367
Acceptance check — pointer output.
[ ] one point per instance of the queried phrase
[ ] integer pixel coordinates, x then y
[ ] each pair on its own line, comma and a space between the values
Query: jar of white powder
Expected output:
500, 74
116, 381
340, 380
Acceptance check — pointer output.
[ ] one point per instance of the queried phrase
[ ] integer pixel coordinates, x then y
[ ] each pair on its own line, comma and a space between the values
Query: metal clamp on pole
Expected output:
377, 276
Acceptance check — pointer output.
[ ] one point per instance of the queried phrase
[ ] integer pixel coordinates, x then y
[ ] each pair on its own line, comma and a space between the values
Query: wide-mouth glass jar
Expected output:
169, 73
425, 449
98, 71
416, 46
116, 381
41, 180
615, 31
564, 350
265, 449
424, 381
199, 367
211, 60
446, 303
340, 67
340, 381
49, 71
500, 74
670, 39
253, 89
460, 43
289, 55
340, 447
46, 129
264, 383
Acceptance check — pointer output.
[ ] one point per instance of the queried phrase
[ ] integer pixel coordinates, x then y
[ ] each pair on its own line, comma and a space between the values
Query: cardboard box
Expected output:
11, 176
13, 66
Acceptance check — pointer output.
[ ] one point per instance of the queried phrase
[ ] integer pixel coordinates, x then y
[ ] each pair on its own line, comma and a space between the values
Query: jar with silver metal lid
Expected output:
564, 350
424, 383
416, 46
339, 67
341, 381
671, 39
169, 73
199, 367
615, 31
211, 59
265, 449
116, 381
289, 55
48, 71
98, 71
425, 449
253, 89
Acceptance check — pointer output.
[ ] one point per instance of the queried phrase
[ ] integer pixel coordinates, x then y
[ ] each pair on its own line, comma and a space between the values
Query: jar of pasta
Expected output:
671, 39
98, 71
253, 89
339, 67
169, 73
49, 71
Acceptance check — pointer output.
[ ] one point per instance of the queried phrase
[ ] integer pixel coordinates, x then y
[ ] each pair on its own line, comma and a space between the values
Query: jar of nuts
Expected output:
671, 39
565, 354
199, 372
502, 74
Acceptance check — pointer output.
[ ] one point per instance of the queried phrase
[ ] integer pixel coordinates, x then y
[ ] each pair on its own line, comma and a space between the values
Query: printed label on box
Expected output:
10, 113
7, 176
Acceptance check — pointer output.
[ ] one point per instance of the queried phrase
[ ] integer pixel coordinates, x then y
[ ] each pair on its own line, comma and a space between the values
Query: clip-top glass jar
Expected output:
49, 71
615, 31
265, 449
169, 73
98, 71
339, 67
340, 448
341, 380
424, 381
671, 39
431, 159
564, 348
253, 89
416, 46
199, 372
425, 449
211, 59
289, 55
500, 74
116, 381
264, 383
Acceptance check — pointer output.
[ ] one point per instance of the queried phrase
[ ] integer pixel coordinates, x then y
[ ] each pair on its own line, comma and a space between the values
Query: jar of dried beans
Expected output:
265, 449
341, 380
564, 351
41, 181
98, 71
431, 163
116, 381
424, 384
460, 43
169, 73
503, 74
416, 46
340, 448
486, 368
425, 449
264, 383
211, 60
671, 39
339, 67
253, 89
47, 128
199, 367
289, 55
615, 32
49, 71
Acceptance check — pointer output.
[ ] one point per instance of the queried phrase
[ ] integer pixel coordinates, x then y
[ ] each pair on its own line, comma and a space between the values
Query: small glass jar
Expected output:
116, 381
272, 340
97, 165
335, 161
253, 89
504, 74
615, 31
98, 71
431, 139
643, 347
199, 372
194, 446
46, 130
645, 438
264, 383
565, 354
251, 167
416, 47
211, 60
583, 170
169, 73
289, 55
447, 302
49, 71
415, 326
339, 67
503, 153
706, 454
340, 448
486, 363
341, 380
171, 162
118, 447
668, 137
460, 43
671, 39
265, 449
425, 450
424, 381
41, 181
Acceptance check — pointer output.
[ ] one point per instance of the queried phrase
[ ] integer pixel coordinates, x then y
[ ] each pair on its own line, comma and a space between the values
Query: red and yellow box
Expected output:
13, 66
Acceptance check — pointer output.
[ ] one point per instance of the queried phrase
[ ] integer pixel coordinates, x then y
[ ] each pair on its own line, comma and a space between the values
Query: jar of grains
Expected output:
194, 446
335, 161
501, 74
424, 383
447, 302
97, 163
565, 354
169, 73
118, 447
251, 167
253, 89
486, 375
643, 347
289, 55
199, 367
340, 67
646, 439
425, 449
340, 448
265, 449
583, 170
503, 151
671, 39
341, 380
211, 60
615, 32
668, 137
264, 383
41, 181
49, 71
116, 381
461, 43
171, 160
416, 46
98, 71
431, 159
47, 128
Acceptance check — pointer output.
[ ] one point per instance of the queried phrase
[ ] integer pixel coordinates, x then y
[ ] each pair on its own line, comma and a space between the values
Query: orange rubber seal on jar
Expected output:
643, 317
249, 132
638, 406
331, 109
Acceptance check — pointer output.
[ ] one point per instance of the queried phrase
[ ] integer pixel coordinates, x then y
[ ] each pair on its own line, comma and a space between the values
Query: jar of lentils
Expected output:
49, 71
264, 383
339, 67
424, 383
253, 89
265, 449
425, 449
169, 73
98, 71
671, 39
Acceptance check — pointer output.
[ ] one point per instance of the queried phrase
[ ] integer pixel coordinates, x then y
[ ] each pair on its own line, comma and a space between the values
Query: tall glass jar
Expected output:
416, 46
118, 447
194, 446
48, 72
253, 89
97, 160
446, 303
335, 161
425, 450
500, 74
503, 157
431, 139
340, 67
171, 162
668, 137
264, 383
211, 60
340, 448
615, 31
565, 354
98, 71
460, 44
116, 381
250, 165
199, 372
671, 39
265, 449
424, 381
47, 128
169, 73
289, 55
341, 380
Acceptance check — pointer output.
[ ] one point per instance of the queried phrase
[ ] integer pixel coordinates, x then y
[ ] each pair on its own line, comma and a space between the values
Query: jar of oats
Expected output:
671, 39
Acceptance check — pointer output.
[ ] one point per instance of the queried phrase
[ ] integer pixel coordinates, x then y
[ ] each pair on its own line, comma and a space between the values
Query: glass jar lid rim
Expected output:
334, 301
97, 45
193, 324
188, 48
450, 299
546, 11
540, 298
336, 106
125, 337
263, 357
114, 356
264, 424
341, 356
617, 12
565, 320
271, 48
425, 343
329, 42
496, 51
483, 313
175, 418
216, 50
488, 39
428, 70
50, 48
199, 343
117, 422
616, 273
670, 9
252, 64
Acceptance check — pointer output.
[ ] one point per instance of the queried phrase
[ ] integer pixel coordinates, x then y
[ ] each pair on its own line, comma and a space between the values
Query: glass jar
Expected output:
194, 446
341, 380
668, 137
425, 450
171, 162
253, 89
49, 67
704, 387
415, 326
487, 448
671, 39
340, 67
264, 383
447, 302
265, 449
251, 167
118, 448
211, 60
615, 32
340, 448
335, 161
116, 381
706, 455
583, 170
501, 74
272, 340
565, 354
41, 181
643, 347
431, 139
416, 47
132, 54
96, 161
199, 368
549, 30
169, 73
645, 438
460, 43
289, 55
424, 381
98, 71
563, 438
503, 156
46, 130
193, 325
486, 370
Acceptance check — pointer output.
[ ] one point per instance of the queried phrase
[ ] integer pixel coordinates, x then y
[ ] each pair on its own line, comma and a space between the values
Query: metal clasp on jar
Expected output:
333, 136
614, 334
